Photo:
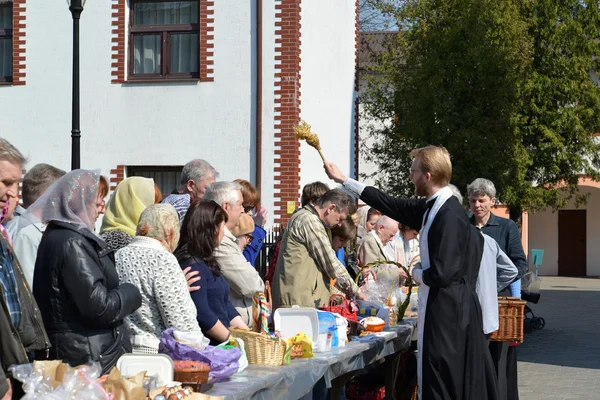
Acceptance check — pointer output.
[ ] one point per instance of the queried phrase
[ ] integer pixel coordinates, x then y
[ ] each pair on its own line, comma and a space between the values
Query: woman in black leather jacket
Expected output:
75, 281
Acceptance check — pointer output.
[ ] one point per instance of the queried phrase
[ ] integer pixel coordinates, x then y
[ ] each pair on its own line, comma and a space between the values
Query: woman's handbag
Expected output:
346, 308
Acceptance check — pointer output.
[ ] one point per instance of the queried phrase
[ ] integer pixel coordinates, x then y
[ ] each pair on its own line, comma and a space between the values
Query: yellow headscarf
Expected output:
127, 202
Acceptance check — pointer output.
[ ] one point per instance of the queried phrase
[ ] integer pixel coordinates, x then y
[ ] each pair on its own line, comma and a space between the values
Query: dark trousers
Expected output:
17, 389
505, 362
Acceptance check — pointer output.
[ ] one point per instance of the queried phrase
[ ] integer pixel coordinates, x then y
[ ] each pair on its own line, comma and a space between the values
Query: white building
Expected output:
164, 82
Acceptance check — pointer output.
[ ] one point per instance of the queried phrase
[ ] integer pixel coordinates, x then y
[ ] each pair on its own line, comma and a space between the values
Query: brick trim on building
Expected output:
356, 88
287, 106
119, 24
116, 176
18, 42
207, 38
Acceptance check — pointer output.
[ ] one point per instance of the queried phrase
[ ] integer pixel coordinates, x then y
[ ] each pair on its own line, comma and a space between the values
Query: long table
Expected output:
297, 379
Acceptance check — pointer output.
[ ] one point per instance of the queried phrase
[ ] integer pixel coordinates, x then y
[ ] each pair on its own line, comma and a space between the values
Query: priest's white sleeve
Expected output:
417, 275
354, 186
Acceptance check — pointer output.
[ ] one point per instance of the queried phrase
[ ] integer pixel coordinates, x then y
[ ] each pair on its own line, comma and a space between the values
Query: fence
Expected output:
263, 261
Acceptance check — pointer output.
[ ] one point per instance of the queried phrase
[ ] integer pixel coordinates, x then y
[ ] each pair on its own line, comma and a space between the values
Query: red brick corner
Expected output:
18, 22
287, 106
119, 24
116, 176
207, 38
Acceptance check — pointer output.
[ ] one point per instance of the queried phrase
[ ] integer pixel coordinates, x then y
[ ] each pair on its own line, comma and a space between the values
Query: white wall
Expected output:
172, 123
543, 234
268, 106
132, 124
327, 84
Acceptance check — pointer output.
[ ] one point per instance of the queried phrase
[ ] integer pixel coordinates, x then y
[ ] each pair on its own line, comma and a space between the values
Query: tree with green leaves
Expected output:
506, 86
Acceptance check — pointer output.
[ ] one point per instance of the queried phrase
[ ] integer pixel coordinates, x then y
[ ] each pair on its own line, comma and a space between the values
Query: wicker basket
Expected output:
510, 318
260, 347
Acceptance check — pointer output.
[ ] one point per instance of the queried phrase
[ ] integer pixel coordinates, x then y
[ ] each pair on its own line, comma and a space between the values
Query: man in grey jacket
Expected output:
242, 277
27, 234
21, 327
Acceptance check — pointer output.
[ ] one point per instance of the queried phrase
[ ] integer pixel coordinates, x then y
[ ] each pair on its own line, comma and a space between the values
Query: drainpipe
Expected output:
258, 125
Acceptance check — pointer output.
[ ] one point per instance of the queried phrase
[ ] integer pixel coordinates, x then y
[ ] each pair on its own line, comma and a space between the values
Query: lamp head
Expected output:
76, 7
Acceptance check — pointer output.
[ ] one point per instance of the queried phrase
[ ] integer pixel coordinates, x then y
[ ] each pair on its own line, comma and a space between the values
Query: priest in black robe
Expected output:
453, 360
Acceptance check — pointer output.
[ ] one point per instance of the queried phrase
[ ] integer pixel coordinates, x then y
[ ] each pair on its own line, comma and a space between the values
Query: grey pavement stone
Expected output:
562, 361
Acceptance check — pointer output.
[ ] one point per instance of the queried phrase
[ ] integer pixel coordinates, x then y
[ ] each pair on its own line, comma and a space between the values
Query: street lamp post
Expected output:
76, 8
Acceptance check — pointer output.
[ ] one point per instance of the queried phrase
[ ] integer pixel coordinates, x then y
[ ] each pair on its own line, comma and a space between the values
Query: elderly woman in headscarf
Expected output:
148, 263
75, 280
368, 219
124, 208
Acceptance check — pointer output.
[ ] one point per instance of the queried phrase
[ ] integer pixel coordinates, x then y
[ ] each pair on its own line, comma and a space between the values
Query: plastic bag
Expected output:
531, 283
301, 346
376, 291
194, 339
342, 325
239, 343
77, 383
223, 363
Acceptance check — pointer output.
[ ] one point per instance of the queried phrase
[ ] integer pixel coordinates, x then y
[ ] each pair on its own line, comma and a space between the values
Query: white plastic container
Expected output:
291, 321
153, 364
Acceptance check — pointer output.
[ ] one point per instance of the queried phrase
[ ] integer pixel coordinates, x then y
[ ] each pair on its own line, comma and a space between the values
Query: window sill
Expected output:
157, 80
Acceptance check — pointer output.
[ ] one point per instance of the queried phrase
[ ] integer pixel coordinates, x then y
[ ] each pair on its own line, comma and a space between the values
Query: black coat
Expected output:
456, 363
30, 336
77, 288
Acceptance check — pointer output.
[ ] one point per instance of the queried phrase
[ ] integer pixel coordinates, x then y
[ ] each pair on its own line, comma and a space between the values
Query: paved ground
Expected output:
562, 361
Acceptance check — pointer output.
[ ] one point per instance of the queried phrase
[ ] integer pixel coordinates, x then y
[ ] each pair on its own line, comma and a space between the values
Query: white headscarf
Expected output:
362, 225
71, 199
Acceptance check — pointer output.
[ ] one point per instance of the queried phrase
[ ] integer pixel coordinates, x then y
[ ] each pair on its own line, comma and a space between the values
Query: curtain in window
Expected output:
5, 17
5, 42
166, 13
146, 54
6, 57
165, 180
184, 52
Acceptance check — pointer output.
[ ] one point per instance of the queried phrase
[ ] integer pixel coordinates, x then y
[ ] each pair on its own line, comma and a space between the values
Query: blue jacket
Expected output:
251, 251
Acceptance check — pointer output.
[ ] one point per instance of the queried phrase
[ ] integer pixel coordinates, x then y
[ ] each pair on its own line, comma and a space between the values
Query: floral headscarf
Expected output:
127, 202
160, 222
70, 199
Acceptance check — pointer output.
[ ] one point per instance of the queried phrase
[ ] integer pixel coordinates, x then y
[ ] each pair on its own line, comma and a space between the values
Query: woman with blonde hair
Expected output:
148, 263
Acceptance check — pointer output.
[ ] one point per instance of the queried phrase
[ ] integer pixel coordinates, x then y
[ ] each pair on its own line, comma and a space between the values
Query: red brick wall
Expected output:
18, 71
207, 23
287, 106
119, 31
116, 176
